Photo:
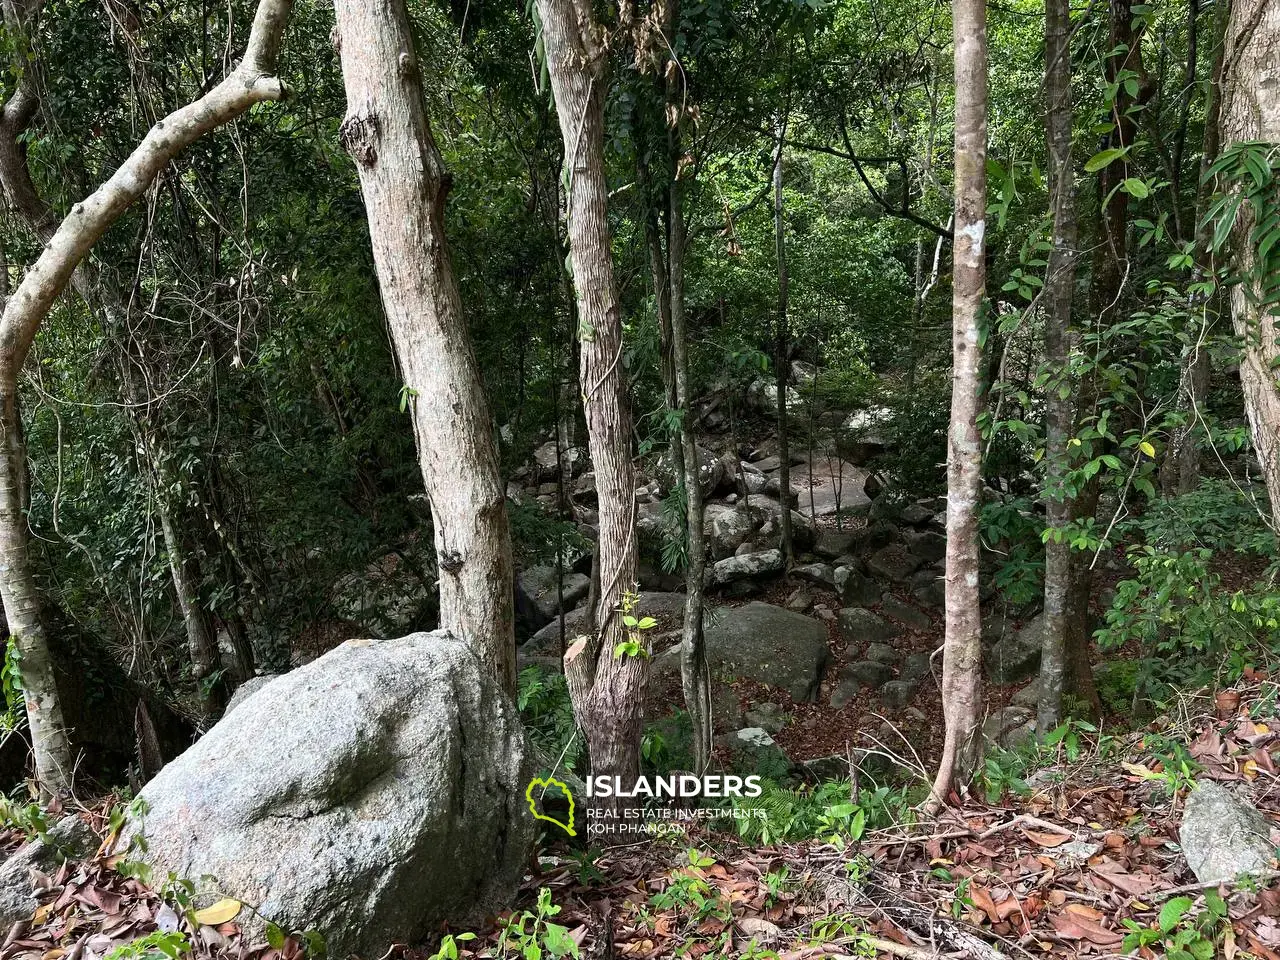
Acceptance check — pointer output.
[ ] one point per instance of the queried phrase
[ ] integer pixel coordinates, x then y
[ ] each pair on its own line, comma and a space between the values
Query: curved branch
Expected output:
251, 82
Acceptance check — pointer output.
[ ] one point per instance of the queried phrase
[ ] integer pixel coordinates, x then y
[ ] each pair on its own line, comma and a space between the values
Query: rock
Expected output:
863, 434
904, 613
747, 566
727, 529
828, 768
855, 588
752, 750
887, 509
1016, 655
917, 666
932, 592
870, 673
882, 653
767, 716
829, 486
584, 488
928, 545
70, 838
859, 626
1028, 696
876, 534
762, 396
822, 574
893, 563
751, 483
711, 471
896, 694
916, 514
248, 689
537, 596
1009, 726
1223, 836
801, 600
573, 460
845, 691
833, 543
765, 643
378, 794
666, 608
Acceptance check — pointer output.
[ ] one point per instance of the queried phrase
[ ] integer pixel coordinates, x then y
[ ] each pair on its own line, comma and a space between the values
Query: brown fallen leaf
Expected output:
1074, 926
1049, 840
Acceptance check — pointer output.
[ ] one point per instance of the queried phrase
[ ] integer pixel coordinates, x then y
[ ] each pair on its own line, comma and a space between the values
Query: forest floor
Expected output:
1080, 856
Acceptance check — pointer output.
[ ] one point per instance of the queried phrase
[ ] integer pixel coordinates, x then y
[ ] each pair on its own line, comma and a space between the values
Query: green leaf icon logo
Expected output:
545, 785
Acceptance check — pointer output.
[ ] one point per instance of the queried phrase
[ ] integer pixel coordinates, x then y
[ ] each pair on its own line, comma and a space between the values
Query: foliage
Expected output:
547, 713
157, 945
823, 812
532, 934
1181, 933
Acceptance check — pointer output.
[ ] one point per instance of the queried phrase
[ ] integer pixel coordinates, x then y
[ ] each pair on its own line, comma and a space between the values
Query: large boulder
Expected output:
711, 471
1016, 654
746, 566
1223, 836
369, 795
765, 643
539, 592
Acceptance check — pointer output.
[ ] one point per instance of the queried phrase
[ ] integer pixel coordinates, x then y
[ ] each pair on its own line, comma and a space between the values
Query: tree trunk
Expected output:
402, 177
50, 741
202, 641
252, 81
606, 688
1251, 111
781, 365
1181, 471
1059, 412
962, 653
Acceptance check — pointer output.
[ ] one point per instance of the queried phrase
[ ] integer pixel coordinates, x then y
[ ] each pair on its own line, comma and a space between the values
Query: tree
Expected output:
405, 185
1059, 410
252, 81
605, 681
962, 651
781, 341
1251, 113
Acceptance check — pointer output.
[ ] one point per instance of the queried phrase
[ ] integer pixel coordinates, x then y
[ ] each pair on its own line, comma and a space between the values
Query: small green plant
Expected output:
15, 714
157, 945
547, 713
1179, 933
27, 818
532, 934
635, 644
449, 946
689, 895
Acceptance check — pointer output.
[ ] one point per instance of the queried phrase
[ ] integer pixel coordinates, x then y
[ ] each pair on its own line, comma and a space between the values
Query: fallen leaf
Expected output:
1047, 839
220, 912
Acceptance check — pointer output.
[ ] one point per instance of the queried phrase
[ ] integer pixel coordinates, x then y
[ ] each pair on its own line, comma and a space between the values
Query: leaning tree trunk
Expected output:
387, 133
962, 651
781, 365
605, 684
1059, 410
1251, 111
252, 81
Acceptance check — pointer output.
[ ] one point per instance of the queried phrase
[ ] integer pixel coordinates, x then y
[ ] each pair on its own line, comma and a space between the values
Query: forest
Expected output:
769, 479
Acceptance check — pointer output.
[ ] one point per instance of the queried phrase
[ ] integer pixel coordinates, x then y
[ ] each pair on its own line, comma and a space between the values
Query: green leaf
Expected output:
1136, 188
1102, 159
1171, 913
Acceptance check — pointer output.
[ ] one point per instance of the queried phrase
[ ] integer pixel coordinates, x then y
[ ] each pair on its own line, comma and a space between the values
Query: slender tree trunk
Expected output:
1181, 470
781, 366
50, 742
695, 673
1251, 111
202, 641
962, 653
252, 81
1059, 412
402, 177
606, 687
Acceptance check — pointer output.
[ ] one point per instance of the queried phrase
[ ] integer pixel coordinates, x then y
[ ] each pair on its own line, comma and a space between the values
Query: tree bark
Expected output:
606, 688
252, 81
962, 652
402, 177
781, 365
1059, 411
1181, 471
1251, 111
